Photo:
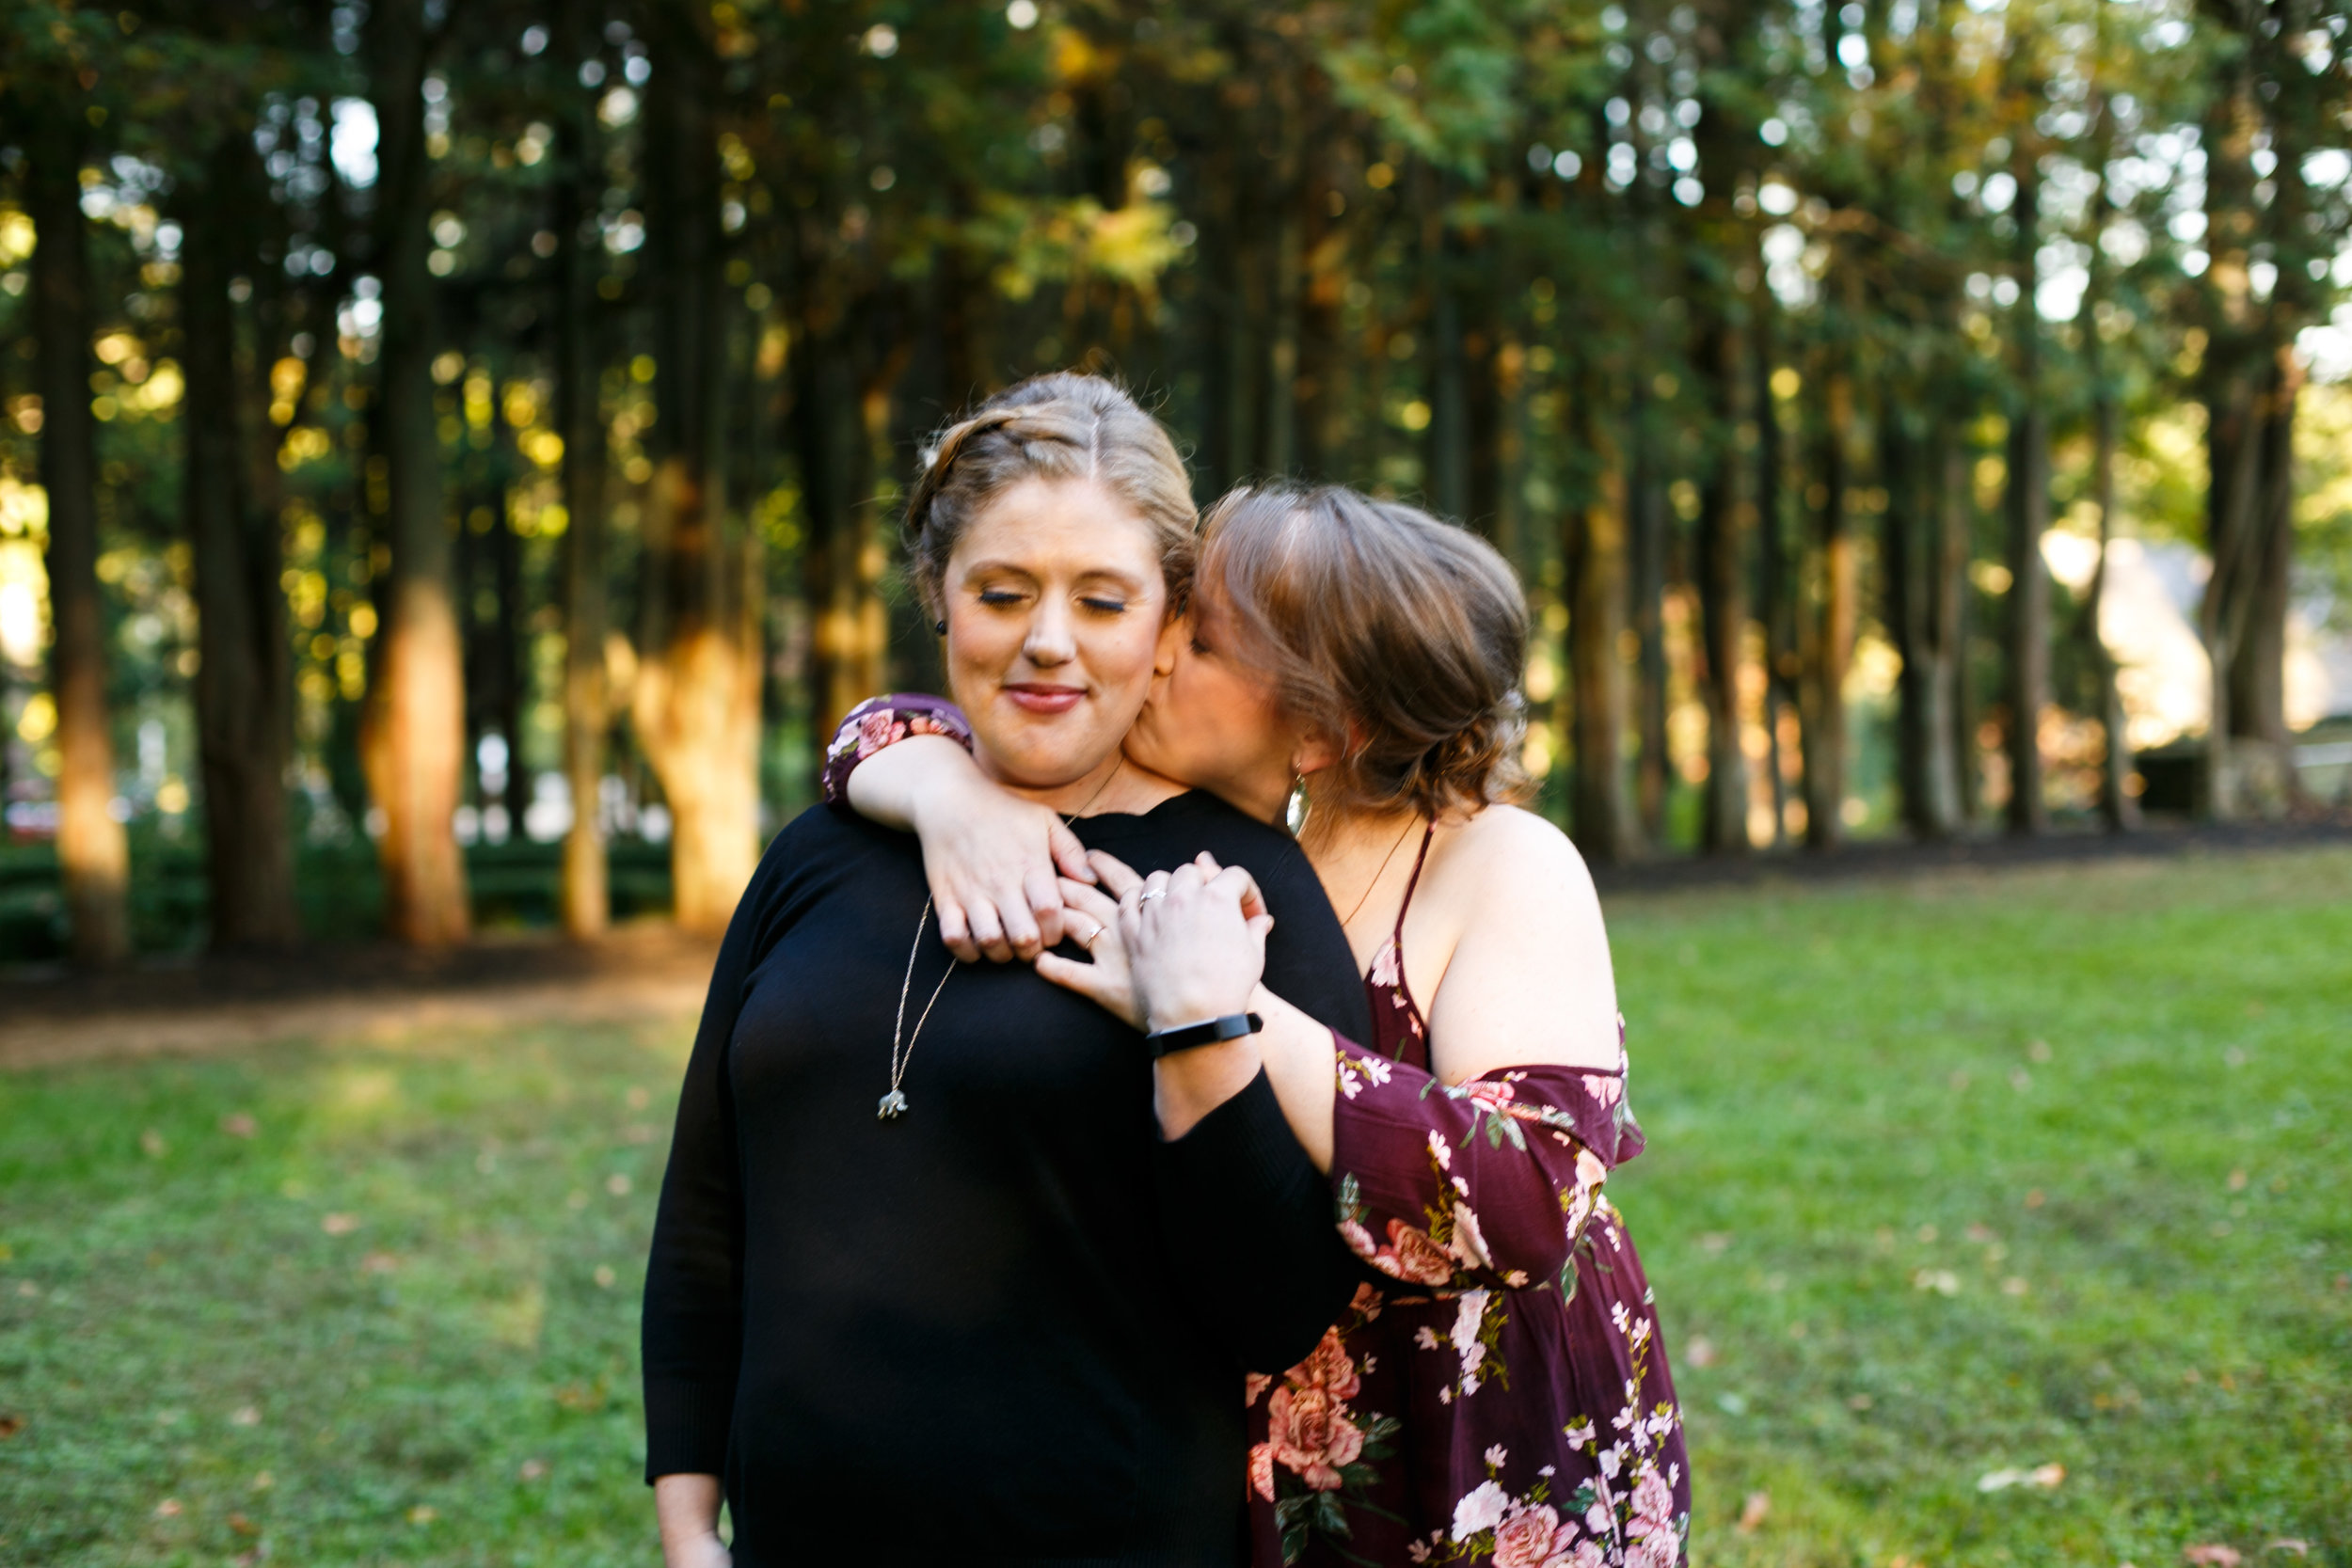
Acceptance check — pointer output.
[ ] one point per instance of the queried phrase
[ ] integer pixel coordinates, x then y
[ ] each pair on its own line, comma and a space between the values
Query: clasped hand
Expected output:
1173, 948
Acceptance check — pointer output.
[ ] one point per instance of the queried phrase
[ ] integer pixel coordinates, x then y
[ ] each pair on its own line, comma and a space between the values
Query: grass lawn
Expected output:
1947, 1180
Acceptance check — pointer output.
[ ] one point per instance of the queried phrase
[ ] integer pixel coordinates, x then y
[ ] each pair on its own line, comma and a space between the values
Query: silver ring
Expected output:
1151, 893
1091, 940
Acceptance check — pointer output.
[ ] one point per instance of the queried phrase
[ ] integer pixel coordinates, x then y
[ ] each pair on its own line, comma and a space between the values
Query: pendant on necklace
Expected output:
894, 1105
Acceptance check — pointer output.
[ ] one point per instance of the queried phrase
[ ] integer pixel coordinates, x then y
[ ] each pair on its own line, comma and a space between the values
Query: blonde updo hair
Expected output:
1064, 425
1399, 638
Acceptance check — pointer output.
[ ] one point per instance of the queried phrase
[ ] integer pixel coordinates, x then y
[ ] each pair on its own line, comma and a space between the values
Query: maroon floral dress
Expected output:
1501, 1397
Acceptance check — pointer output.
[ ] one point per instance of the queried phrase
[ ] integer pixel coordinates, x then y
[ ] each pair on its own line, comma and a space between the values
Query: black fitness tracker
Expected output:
1230, 1027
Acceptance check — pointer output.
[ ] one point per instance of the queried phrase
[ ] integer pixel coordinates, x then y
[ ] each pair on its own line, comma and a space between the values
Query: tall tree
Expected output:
243, 695
697, 701
586, 897
413, 733
92, 849
2027, 508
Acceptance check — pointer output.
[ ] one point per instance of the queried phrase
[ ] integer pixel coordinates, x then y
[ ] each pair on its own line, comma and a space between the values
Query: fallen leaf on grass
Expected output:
533, 1468
152, 1142
1700, 1352
10, 1424
245, 1416
1752, 1512
339, 1224
1714, 1240
239, 1124
2211, 1555
242, 1525
168, 1509
423, 1513
378, 1262
2044, 1476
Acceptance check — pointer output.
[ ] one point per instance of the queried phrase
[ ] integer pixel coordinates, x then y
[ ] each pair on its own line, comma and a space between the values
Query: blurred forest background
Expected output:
451, 451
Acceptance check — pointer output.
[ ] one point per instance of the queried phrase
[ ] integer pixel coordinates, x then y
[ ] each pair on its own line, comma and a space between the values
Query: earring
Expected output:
940, 626
1295, 811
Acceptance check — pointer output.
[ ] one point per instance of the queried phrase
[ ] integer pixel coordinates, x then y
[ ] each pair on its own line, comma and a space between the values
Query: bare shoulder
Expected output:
1517, 861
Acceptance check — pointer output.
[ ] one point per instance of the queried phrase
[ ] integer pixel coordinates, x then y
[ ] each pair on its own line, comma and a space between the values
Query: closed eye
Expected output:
1106, 607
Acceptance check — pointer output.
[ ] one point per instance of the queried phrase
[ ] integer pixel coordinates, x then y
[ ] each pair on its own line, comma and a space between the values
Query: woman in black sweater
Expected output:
945, 1264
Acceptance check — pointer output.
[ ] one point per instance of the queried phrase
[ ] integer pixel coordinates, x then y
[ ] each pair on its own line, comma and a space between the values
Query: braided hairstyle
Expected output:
1061, 426
1399, 638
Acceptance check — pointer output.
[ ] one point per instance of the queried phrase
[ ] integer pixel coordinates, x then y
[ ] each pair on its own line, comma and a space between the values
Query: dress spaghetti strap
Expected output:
1396, 937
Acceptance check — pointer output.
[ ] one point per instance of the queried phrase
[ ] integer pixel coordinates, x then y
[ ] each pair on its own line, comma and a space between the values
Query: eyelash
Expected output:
999, 598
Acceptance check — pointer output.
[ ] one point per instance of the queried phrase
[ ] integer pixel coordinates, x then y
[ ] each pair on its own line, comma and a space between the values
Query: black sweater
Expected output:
1009, 1324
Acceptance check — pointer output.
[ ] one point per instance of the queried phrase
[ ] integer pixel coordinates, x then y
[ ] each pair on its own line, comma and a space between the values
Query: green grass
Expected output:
2120, 1091
1824, 1075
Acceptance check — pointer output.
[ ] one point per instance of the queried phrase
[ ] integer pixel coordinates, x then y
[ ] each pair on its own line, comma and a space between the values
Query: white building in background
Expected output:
2149, 623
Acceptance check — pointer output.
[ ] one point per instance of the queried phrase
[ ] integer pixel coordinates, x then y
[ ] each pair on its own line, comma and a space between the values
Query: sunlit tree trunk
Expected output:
243, 683
842, 557
92, 850
412, 738
1596, 550
586, 898
697, 700
2027, 511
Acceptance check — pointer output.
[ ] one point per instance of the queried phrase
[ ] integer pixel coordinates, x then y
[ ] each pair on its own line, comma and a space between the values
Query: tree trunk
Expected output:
2258, 700
1950, 743
413, 735
586, 896
842, 558
1830, 629
93, 853
698, 697
1596, 550
1727, 521
243, 694
2231, 382
1650, 535
2119, 808
1774, 602
2027, 511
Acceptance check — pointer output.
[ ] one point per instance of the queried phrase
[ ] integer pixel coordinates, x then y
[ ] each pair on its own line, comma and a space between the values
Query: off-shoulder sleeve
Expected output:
881, 722
1487, 1184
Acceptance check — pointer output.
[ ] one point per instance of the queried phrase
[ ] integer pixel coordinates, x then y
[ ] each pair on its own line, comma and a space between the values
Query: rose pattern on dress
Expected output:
882, 722
1320, 1453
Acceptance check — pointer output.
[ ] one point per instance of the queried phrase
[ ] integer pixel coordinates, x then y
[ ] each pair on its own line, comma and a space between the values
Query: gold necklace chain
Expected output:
894, 1105
1382, 872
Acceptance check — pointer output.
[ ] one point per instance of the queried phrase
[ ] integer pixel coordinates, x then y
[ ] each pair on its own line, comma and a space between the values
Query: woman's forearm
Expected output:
1298, 1063
890, 785
688, 1508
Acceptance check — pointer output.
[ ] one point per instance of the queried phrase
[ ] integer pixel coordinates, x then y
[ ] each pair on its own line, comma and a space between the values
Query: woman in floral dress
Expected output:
1498, 1393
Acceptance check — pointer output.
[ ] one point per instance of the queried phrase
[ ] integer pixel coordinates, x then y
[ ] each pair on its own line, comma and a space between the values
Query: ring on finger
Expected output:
1160, 892
1092, 937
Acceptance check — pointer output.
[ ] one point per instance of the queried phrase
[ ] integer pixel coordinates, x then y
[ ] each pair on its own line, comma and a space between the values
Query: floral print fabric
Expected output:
1501, 1395
881, 722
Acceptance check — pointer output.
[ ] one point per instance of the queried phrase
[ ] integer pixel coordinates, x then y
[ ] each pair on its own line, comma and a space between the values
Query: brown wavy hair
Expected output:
1065, 425
1399, 638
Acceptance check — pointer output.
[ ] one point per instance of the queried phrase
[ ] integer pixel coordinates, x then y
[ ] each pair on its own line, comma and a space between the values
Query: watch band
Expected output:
1231, 1027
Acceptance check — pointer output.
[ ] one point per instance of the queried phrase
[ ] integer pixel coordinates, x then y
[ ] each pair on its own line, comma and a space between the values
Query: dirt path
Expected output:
650, 972
221, 1004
